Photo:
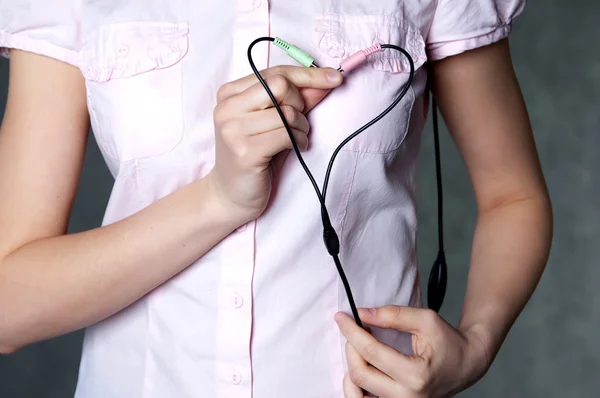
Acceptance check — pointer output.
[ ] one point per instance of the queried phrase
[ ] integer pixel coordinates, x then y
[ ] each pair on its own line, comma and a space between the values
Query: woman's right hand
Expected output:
249, 132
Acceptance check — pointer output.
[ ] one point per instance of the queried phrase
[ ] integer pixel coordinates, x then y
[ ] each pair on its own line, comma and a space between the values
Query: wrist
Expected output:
220, 207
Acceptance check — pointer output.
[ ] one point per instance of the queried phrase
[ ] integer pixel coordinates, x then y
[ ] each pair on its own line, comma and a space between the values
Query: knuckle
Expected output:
357, 375
220, 113
230, 128
393, 313
430, 317
279, 84
290, 114
370, 353
223, 92
315, 75
241, 151
347, 378
301, 139
276, 70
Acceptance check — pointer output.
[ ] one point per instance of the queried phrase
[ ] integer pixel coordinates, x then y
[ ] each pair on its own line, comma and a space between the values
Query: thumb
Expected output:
404, 319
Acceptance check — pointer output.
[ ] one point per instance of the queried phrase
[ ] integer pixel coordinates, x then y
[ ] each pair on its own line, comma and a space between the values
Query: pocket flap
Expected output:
341, 35
126, 49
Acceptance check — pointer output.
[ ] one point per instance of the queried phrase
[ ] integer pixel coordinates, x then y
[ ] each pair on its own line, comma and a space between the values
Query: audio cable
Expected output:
330, 236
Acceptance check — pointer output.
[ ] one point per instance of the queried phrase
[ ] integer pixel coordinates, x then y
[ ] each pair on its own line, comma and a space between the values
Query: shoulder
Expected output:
59, 29
461, 25
37, 26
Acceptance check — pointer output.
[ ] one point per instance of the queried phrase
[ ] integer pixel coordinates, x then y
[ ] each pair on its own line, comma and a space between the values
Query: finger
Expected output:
383, 357
404, 319
367, 377
351, 390
353, 357
278, 160
312, 97
256, 98
267, 120
273, 142
298, 75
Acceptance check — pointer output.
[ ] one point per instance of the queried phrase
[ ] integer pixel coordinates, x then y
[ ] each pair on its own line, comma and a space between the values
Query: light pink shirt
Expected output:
254, 316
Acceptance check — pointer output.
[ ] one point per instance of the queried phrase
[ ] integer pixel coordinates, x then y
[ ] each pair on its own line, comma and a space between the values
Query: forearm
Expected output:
510, 250
56, 285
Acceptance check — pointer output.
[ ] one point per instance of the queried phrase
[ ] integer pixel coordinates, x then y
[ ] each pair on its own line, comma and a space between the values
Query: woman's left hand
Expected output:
445, 360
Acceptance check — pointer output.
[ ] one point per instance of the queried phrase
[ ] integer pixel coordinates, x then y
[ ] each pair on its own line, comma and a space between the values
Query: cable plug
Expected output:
298, 54
358, 58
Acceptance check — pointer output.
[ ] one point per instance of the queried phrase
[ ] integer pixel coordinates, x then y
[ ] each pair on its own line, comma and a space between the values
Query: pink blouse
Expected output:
254, 316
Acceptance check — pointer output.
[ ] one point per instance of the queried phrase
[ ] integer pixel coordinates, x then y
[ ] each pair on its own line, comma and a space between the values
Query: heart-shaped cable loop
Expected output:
330, 237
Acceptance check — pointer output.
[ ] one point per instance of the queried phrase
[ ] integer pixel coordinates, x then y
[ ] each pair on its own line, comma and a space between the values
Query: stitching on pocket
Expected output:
108, 54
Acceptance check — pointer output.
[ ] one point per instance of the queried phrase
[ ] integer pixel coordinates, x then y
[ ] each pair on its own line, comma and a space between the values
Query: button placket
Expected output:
235, 315
235, 308
249, 5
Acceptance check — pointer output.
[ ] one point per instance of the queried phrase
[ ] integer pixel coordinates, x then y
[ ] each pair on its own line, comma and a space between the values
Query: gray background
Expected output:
554, 348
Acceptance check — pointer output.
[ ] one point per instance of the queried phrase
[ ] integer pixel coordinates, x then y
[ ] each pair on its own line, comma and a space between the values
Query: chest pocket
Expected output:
373, 86
134, 82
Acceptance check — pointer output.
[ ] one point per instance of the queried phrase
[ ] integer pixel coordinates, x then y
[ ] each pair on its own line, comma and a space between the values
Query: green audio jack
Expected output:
298, 54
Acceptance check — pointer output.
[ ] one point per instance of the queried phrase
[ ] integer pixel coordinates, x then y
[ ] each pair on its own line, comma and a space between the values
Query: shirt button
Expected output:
249, 5
123, 51
238, 301
236, 378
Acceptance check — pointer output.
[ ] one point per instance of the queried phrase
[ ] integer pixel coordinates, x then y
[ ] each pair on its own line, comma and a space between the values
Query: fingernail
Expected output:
371, 311
334, 77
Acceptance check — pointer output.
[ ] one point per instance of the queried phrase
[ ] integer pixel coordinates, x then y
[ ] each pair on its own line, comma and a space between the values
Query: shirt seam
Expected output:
343, 214
344, 208
148, 299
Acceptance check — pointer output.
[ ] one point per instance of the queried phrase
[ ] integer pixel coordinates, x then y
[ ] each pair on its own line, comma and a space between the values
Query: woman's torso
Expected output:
254, 316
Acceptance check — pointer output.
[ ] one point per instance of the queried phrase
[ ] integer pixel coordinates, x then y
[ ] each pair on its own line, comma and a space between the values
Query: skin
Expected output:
52, 283
510, 248
41, 151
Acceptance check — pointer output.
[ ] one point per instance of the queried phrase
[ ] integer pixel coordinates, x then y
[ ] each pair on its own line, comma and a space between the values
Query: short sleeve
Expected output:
49, 28
462, 25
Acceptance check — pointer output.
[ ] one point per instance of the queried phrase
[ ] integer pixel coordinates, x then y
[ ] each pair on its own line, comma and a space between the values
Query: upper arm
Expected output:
483, 107
42, 143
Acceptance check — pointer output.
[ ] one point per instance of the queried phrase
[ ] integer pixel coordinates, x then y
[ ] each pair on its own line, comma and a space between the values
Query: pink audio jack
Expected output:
358, 58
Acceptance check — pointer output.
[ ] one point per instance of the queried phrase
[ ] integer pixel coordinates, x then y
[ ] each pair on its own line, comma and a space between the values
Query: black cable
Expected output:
281, 115
436, 287
330, 237
438, 176
377, 118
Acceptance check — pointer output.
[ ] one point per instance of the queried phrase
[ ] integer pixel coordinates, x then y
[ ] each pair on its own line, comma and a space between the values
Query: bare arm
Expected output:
482, 104
52, 283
